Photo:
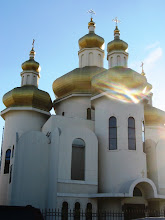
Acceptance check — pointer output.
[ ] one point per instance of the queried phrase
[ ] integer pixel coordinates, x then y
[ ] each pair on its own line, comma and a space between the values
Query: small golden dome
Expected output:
117, 44
28, 96
31, 64
76, 81
91, 39
153, 116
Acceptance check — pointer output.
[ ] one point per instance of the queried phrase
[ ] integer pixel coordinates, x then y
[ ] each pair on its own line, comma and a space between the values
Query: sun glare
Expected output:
121, 93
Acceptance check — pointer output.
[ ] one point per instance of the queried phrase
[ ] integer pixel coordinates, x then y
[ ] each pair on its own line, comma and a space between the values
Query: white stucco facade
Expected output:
104, 146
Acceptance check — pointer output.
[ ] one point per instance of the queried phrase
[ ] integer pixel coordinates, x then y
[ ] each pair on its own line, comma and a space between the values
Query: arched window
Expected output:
78, 160
7, 161
125, 62
28, 80
88, 113
90, 59
131, 134
111, 63
118, 60
99, 60
82, 60
77, 211
112, 133
137, 192
89, 211
64, 214
63, 113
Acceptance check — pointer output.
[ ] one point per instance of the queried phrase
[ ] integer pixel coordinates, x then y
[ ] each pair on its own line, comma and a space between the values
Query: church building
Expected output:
104, 147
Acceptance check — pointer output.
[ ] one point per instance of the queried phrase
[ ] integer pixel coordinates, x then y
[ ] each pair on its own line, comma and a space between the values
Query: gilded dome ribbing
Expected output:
28, 96
76, 81
121, 77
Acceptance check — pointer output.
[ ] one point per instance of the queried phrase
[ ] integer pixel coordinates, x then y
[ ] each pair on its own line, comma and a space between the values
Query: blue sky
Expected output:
56, 27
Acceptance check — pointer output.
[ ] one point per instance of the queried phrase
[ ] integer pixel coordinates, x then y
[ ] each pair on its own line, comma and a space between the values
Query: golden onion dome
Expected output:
31, 64
117, 44
153, 116
28, 96
91, 39
121, 81
77, 81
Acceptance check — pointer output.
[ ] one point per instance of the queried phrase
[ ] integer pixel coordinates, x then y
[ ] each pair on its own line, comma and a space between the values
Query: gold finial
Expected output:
116, 21
92, 12
33, 44
143, 74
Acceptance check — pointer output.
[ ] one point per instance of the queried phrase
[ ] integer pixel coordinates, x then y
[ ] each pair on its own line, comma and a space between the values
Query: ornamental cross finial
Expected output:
33, 44
116, 20
142, 67
92, 12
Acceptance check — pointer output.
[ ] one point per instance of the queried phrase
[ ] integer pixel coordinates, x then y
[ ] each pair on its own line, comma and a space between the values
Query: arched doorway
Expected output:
140, 191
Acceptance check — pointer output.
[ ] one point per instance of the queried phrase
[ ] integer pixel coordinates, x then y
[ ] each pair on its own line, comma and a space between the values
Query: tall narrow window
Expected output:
82, 60
89, 211
77, 211
143, 136
78, 160
111, 63
99, 60
28, 80
90, 59
7, 161
131, 134
125, 62
112, 133
64, 213
88, 113
118, 60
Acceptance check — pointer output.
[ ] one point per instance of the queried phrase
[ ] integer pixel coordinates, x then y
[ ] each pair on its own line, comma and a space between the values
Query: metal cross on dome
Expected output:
33, 44
142, 67
116, 20
92, 12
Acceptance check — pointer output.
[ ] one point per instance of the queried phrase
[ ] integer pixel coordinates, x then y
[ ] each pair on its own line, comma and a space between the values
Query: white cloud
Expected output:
152, 46
149, 61
152, 58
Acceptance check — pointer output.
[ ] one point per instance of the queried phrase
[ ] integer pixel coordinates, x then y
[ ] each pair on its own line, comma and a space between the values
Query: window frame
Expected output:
130, 128
112, 127
74, 146
7, 162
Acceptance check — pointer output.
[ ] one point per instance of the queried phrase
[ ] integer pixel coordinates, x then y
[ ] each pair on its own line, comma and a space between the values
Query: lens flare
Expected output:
122, 93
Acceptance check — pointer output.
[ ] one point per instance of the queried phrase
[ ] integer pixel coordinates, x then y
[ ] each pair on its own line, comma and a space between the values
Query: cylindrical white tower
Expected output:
27, 109
91, 51
117, 55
